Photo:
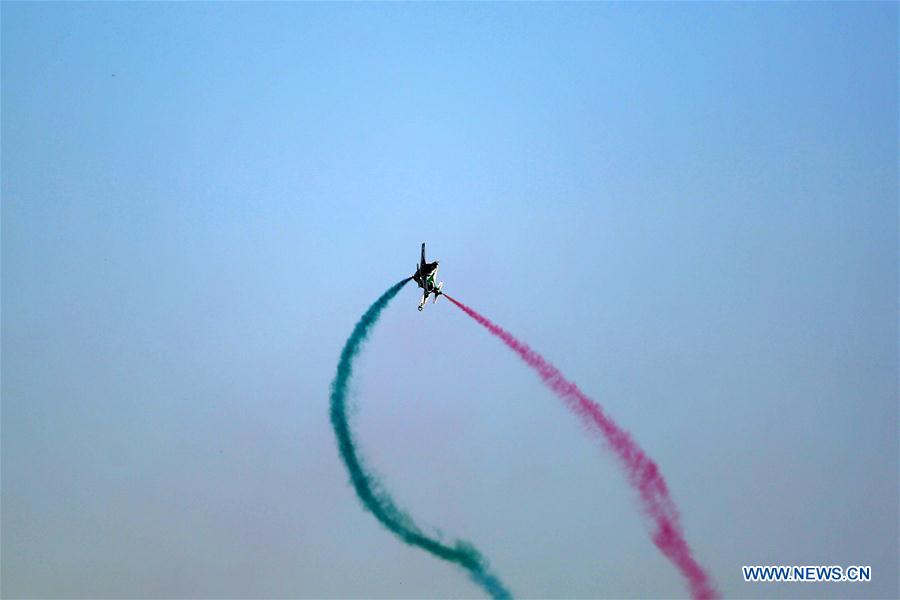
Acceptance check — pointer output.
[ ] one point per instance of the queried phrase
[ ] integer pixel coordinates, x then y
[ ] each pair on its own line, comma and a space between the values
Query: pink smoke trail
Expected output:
642, 472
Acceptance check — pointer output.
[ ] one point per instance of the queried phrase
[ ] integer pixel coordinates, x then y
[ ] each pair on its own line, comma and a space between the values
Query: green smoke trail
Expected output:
370, 490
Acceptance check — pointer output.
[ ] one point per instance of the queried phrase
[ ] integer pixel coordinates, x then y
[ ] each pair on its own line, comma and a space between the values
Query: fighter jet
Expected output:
424, 276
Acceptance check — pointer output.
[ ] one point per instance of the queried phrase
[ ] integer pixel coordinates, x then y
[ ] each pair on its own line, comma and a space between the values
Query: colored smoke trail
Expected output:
369, 489
640, 468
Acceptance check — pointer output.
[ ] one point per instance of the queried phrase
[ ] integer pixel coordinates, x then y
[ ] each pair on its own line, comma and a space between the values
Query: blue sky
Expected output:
691, 209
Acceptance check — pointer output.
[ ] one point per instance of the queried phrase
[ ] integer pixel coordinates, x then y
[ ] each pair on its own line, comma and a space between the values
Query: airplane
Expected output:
424, 276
